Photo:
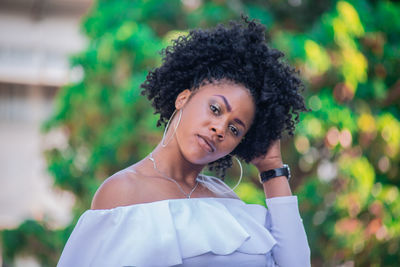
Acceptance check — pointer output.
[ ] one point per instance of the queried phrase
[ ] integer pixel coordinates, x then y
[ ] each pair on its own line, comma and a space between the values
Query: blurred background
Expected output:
71, 115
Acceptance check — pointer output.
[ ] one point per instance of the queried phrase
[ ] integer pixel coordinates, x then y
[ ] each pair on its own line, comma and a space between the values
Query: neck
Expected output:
171, 162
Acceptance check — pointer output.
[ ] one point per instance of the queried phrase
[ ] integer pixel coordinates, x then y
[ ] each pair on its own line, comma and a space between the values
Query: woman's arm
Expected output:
286, 226
283, 217
278, 186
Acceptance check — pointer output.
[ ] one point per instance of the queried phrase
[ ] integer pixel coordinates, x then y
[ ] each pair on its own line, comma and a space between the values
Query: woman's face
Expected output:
214, 120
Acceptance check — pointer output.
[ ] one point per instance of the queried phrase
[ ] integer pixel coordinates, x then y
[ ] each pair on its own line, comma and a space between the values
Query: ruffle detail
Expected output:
163, 233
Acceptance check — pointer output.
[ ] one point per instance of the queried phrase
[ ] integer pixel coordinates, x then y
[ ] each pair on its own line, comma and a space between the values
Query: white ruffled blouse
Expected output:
190, 232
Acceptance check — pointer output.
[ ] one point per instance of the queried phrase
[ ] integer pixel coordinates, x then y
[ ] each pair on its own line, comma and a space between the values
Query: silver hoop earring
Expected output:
241, 173
166, 127
211, 185
240, 178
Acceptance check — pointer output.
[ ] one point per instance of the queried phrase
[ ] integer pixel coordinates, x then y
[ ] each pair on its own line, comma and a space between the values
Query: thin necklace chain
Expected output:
171, 179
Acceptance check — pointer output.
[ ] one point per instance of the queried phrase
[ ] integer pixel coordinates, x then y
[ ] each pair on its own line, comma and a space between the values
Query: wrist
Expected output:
283, 171
277, 187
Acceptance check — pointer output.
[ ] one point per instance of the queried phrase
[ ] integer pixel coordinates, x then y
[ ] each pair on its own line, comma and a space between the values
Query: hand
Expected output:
270, 160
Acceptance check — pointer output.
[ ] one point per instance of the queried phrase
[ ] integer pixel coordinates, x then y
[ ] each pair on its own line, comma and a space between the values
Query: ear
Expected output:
182, 98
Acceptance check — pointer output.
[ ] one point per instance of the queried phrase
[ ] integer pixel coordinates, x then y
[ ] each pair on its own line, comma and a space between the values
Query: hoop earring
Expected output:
166, 127
241, 173
211, 185
240, 178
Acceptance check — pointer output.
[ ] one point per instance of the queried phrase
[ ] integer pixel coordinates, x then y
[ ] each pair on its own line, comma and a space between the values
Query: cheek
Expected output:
197, 116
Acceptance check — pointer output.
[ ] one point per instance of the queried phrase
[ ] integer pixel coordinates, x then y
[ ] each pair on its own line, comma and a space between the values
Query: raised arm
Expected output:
283, 217
278, 186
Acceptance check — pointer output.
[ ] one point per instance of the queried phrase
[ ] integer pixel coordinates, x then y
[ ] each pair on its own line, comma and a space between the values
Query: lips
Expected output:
206, 143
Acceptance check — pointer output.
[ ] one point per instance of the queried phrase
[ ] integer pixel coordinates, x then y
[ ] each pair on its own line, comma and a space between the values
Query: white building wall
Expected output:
36, 39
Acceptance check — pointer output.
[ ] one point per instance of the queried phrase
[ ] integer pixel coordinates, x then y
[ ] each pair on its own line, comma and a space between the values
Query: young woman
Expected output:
222, 92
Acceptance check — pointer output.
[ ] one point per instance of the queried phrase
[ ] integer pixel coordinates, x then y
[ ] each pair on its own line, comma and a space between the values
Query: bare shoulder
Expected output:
119, 189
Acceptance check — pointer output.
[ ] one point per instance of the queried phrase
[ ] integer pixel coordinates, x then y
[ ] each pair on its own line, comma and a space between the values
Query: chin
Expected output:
199, 157
196, 158
197, 153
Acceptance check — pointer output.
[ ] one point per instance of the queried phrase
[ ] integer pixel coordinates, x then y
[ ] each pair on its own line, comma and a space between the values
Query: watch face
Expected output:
288, 170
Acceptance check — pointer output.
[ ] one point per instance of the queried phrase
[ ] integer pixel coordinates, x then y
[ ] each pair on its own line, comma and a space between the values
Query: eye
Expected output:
234, 130
215, 109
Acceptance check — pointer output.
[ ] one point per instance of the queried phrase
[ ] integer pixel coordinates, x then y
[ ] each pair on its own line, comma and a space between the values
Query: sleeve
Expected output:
286, 226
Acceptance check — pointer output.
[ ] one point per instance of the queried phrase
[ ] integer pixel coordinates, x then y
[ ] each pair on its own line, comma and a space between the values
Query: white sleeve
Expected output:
286, 226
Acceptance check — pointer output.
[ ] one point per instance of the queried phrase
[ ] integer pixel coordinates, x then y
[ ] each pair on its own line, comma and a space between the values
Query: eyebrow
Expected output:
229, 108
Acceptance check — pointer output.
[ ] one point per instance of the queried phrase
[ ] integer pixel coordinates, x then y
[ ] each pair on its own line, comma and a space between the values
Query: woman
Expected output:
222, 93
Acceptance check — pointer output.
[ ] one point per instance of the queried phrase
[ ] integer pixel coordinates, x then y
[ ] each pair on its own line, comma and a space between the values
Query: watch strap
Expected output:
267, 175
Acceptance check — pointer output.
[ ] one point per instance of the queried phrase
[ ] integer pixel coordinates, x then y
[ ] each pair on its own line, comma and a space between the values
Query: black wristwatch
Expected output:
267, 175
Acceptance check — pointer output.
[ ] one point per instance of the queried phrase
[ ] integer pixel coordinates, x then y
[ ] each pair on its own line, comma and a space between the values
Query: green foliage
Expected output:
351, 138
345, 156
33, 235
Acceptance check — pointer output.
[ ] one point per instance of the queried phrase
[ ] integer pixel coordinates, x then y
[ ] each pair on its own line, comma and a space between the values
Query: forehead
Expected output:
230, 90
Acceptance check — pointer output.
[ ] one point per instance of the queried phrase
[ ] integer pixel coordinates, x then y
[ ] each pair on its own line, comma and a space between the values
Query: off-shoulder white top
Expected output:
208, 232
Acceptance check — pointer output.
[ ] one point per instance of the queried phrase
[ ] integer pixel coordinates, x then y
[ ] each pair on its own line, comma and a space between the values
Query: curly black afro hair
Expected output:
239, 53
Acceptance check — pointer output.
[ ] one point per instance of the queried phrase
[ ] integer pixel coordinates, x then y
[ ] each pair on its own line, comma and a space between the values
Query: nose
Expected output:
219, 131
